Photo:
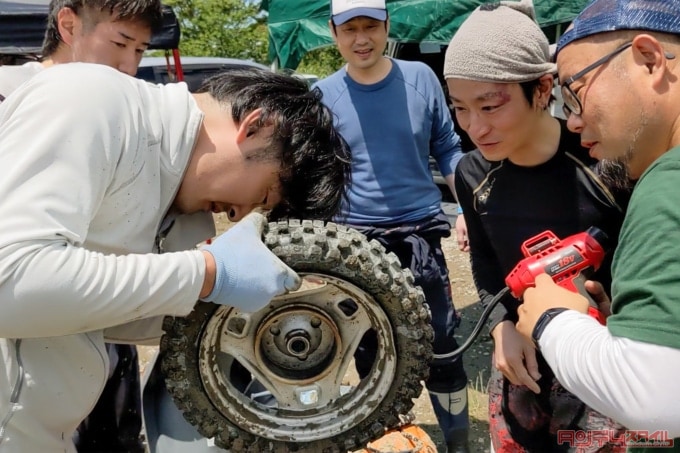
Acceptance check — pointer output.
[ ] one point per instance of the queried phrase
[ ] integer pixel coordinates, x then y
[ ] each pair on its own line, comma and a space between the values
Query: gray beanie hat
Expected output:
499, 42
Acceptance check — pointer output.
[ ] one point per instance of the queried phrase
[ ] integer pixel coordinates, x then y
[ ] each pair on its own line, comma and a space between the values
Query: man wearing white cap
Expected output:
393, 114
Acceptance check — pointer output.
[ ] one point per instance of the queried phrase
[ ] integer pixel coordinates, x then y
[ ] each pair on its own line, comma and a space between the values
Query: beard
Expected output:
614, 174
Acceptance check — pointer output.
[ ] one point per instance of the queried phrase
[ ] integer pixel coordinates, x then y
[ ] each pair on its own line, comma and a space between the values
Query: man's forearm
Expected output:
632, 382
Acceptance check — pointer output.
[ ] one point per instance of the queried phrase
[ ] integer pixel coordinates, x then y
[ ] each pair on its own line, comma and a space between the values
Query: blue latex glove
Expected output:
248, 274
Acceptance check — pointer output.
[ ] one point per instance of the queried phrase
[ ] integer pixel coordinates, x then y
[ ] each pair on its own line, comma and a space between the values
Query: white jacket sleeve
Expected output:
146, 332
61, 140
632, 382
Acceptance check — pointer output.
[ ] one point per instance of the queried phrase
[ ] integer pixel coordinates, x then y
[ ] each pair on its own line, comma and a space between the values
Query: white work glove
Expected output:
248, 275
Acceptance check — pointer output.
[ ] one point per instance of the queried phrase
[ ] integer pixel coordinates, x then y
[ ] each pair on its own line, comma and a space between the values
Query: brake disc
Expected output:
327, 368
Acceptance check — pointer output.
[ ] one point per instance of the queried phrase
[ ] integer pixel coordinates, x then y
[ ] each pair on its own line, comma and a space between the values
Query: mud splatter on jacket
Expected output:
90, 161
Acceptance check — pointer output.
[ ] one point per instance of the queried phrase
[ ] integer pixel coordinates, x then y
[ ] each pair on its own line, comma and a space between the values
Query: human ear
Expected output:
649, 52
248, 126
544, 90
331, 26
66, 24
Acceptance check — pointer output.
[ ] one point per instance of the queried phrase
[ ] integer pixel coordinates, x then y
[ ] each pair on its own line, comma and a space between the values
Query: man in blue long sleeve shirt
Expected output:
393, 115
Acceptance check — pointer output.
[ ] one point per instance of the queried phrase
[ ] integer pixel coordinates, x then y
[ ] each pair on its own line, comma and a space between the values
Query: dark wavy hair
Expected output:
315, 160
148, 12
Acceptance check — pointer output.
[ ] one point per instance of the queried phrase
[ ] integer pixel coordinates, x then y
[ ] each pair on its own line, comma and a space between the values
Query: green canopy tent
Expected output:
297, 26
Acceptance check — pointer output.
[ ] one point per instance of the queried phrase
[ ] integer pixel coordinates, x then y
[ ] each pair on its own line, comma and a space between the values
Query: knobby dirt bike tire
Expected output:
324, 249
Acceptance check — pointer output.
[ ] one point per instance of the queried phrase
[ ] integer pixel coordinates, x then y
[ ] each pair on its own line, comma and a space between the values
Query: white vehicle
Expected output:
195, 69
311, 79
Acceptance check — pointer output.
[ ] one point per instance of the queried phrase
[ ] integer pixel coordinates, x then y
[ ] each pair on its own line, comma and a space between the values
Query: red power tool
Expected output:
569, 262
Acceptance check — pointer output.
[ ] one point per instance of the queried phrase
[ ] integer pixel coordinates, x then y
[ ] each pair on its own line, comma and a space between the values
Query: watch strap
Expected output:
543, 322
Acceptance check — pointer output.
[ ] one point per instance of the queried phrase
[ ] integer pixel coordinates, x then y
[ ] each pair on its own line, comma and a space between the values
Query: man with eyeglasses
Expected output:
621, 88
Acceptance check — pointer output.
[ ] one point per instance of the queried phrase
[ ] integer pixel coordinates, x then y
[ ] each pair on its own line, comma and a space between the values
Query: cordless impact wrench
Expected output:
568, 261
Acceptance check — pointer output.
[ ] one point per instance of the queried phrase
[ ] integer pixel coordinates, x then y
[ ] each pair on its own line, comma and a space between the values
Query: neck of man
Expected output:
542, 143
372, 74
47, 62
60, 56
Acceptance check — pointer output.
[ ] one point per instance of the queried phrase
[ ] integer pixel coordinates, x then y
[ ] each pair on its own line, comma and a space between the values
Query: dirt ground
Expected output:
476, 359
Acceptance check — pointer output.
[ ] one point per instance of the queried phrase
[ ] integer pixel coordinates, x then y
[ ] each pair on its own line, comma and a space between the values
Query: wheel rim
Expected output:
299, 351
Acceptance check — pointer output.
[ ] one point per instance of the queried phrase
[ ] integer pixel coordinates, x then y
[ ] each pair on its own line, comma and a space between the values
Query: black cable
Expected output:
478, 328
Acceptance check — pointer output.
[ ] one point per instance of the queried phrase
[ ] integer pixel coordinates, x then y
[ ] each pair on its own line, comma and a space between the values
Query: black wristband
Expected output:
543, 321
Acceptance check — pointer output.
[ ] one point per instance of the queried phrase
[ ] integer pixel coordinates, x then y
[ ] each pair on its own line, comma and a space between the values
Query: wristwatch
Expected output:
543, 321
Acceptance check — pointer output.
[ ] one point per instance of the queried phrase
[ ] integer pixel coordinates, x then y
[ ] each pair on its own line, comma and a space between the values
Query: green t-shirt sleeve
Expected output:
646, 266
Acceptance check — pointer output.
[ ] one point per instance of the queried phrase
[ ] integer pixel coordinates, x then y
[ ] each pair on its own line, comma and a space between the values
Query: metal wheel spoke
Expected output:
237, 334
353, 330
302, 397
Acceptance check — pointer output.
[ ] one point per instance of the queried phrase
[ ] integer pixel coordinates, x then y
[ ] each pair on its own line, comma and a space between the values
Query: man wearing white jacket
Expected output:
98, 171
115, 33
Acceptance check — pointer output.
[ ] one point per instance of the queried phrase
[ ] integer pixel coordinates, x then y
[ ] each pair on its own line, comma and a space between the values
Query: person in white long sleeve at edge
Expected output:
115, 33
620, 75
99, 172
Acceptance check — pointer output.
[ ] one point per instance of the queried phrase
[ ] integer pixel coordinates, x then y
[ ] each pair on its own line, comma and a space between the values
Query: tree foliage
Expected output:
322, 61
238, 29
222, 28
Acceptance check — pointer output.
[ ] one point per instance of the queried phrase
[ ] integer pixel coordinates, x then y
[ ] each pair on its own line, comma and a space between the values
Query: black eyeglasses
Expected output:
572, 104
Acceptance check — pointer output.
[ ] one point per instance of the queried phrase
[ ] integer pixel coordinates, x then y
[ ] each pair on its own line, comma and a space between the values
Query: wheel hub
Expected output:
298, 343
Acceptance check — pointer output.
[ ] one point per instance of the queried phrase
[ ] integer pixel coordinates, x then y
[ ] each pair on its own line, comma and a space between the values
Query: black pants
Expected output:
418, 247
115, 423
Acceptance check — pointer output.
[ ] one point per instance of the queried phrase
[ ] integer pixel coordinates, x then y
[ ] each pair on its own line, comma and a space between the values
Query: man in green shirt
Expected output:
621, 86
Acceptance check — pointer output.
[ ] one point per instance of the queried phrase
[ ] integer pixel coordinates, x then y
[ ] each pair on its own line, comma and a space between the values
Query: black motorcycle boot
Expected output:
457, 441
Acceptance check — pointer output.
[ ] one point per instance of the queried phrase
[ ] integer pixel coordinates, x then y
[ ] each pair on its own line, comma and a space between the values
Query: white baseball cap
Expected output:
345, 10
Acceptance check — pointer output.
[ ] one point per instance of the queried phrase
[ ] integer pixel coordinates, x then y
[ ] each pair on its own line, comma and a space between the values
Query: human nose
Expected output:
129, 64
361, 37
236, 213
575, 122
478, 126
